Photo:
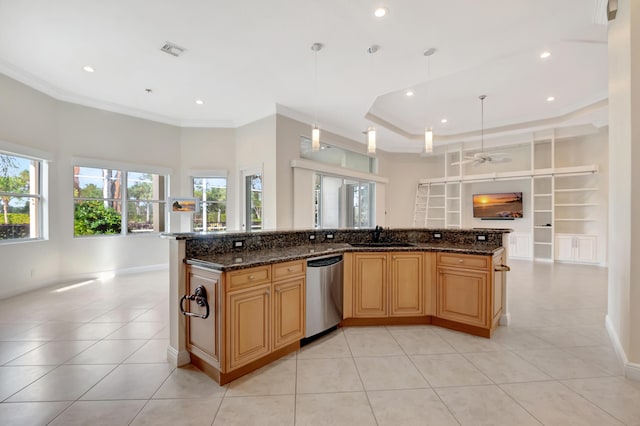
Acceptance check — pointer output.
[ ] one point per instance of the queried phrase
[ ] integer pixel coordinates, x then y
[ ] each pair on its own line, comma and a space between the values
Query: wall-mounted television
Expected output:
505, 205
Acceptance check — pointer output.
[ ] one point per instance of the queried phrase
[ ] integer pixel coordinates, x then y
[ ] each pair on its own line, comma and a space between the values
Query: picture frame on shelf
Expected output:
184, 205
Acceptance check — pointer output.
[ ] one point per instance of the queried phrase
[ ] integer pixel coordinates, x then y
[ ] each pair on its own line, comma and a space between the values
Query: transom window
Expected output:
117, 202
20, 197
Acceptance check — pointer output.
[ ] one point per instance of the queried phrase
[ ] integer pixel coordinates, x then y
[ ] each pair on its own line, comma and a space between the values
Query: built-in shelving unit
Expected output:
564, 204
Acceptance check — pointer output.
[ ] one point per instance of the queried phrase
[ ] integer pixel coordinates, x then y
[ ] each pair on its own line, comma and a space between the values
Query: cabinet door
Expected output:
248, 327
564, 247
370, 285
585, 249
407, 284
520, 245
288, 312
462, 296
204, 335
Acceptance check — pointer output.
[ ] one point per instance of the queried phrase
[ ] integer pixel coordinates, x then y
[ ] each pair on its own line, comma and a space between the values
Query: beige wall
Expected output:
32, 123
623, 317
206, 152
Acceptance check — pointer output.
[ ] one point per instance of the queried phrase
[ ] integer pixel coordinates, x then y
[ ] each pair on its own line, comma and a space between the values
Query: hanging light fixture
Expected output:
371, 131
428, 131
315, 130
371, 140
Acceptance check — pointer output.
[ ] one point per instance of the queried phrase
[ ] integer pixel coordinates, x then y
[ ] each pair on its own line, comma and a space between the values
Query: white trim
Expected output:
119, 165
632, 371
615, 341
178, 358
336, 171
25, 151
505, 319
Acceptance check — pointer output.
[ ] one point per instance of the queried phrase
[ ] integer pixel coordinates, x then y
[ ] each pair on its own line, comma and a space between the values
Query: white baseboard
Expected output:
631, 369
178, 358
505, 319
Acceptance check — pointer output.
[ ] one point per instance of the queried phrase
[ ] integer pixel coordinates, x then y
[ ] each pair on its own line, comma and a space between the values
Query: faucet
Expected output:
376, 233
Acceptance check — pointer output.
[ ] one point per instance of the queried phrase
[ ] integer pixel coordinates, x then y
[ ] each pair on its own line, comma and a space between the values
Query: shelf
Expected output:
576, 204
542, 244
437, 196
574, 220
543, 227
454, 211
542, 195
576, 189
453, 198
542, 211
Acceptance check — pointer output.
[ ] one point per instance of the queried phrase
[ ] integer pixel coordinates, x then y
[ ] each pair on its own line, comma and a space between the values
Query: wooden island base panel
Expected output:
255, 310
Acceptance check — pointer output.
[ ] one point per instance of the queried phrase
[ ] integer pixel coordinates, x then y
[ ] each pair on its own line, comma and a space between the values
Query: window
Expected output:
212, 193
99, 207
343, 203
336, 156
145, 202
21, 197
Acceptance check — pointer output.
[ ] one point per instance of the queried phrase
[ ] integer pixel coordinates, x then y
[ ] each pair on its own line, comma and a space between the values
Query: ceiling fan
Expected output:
483, 157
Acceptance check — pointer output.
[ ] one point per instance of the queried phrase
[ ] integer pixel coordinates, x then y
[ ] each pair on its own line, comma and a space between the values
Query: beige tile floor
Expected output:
96, 354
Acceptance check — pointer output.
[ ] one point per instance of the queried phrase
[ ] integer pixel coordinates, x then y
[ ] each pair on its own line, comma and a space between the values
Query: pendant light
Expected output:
428, 131
371, 131
315, 130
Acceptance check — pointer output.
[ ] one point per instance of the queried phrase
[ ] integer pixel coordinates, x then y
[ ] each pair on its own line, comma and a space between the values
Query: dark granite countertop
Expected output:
249, 258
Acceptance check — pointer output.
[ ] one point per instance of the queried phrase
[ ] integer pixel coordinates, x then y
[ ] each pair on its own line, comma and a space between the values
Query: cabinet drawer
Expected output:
464, 260
286, 270
249, 277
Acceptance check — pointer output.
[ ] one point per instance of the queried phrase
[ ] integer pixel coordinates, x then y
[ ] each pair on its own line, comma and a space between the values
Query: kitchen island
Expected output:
254, 286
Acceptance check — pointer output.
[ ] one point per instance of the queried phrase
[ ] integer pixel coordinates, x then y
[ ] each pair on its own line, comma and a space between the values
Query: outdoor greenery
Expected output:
93, 218
10, 182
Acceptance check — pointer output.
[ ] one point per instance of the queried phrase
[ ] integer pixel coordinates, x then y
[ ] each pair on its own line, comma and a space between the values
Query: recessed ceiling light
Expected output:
200, 102
444, 121
380, 12
87, 68
545, 55
409, 93
551, 99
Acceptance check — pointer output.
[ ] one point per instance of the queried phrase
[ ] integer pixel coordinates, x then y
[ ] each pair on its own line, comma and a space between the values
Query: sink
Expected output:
391, 244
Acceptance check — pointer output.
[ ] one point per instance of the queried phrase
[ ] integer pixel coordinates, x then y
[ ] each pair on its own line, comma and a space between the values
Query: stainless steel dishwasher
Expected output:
324, 294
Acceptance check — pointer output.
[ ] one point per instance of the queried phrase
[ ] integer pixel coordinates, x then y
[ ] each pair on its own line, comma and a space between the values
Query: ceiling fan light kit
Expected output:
482, 157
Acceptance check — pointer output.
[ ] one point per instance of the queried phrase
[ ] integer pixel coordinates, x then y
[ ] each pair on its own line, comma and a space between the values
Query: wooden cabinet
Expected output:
370, 285
204, 336
248, 334
263, 317
470, 291
462, 295
288, 303
388, 285
407, 289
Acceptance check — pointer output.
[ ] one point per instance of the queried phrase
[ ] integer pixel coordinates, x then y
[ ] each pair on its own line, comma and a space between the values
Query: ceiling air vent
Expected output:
172, 49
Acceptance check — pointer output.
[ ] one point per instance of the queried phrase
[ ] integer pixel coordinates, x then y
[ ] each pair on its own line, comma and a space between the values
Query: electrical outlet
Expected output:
437, 236
238, 244
481, 238
312, 237
329, 237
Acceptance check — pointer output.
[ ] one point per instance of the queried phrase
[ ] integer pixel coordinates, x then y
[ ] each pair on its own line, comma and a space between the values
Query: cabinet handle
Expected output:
251, 277
267, 292
460, 260
501, 268
290, 269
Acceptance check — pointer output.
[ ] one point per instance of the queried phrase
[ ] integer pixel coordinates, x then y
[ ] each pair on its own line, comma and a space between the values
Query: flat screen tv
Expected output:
505, 205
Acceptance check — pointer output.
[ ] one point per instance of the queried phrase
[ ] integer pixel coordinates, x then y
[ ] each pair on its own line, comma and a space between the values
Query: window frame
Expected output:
125, 169
38, 225
202, 204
